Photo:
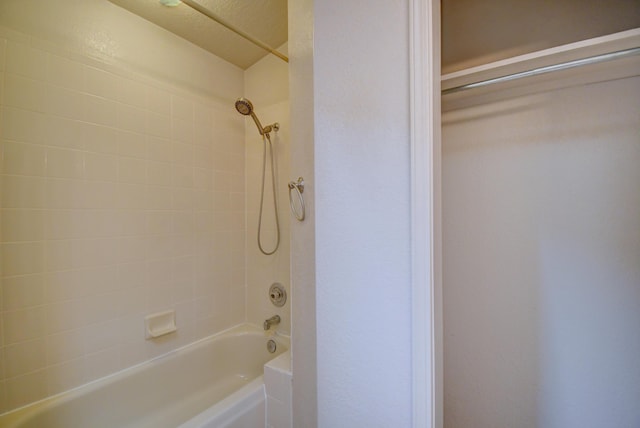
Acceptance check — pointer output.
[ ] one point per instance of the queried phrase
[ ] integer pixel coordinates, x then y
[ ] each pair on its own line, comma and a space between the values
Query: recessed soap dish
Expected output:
159, 324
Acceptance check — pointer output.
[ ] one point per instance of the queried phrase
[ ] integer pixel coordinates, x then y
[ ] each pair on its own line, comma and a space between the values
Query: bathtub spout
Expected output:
271, 321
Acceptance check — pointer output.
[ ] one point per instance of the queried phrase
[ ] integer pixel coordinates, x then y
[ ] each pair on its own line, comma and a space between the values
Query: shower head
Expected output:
245, 108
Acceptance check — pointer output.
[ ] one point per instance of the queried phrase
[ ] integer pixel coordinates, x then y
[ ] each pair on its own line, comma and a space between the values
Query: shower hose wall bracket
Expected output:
297, 187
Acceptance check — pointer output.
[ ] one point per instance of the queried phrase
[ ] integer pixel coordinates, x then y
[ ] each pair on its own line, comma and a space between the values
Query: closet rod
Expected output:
546, 69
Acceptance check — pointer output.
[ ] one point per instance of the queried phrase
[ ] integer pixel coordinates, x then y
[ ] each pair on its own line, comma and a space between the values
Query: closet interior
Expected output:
541, 213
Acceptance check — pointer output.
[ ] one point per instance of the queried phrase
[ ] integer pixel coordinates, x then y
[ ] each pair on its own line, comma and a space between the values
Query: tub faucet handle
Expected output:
271, 321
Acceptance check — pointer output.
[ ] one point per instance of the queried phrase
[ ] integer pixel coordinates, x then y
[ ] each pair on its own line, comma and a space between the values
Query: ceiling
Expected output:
265, 20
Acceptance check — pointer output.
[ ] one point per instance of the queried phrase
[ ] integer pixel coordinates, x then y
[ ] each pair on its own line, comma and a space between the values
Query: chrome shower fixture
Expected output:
245, 108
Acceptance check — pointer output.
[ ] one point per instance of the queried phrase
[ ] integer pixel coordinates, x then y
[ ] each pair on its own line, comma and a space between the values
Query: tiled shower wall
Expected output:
120, 196
267, 86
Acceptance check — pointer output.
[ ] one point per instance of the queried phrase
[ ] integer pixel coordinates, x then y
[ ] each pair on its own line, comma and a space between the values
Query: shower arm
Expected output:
267, 129
209, 14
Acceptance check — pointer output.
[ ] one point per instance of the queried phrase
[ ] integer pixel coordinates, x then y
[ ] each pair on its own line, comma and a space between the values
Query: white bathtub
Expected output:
216, 382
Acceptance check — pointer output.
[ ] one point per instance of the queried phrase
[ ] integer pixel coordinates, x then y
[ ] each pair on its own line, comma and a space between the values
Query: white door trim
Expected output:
426, 252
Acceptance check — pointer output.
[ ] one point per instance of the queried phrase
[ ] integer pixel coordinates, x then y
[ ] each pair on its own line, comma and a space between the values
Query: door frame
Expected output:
426, 231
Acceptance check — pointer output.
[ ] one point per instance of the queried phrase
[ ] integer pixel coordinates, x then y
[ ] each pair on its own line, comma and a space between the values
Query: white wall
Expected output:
541, 224
122, 193
303, 260
362, 213
267, 87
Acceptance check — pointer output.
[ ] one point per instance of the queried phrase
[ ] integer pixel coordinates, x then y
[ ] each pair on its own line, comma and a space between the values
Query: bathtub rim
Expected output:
66, 396
225, 410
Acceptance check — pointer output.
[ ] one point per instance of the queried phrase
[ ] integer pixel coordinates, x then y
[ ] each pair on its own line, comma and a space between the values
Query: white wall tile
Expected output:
132, 196
101, 83
98, 280
22, 125
59, 255
101, 308
159, 149
66, 73
132, 144
24, 93
132, 275
24, 324
100, 139
65, 102
158, 101
96, 252
132, 92
23, 159
182, 199
61, 286
24, 357
65, 376
182, 130
159, 197
64, 133
160, 246
182, 176
65, 194
160, 297
203, 178
159, 173
131, 118
63, 163
181, 108
183, 222
101, 111
62, 316
182, 153
22, 258
101, 336
100, 195
65, 346
131, 249
22, 225
131, 222
133, 171
202, 125
100, 167
26, 61
26, 389
103, 180
101, 223
20, 292
158, 125
202, 156
3, 50
134, 302
65, 224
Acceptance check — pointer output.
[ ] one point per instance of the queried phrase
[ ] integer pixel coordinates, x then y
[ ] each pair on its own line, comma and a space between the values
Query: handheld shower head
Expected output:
245, 108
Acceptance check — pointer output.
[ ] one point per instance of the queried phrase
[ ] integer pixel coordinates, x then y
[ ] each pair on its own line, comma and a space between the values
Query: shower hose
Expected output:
275, 202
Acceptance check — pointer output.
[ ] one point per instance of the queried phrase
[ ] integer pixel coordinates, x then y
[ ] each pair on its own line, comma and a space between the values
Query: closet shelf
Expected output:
547, 58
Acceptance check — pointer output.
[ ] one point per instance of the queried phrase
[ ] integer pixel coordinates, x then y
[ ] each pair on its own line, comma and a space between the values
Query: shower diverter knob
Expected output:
277, 294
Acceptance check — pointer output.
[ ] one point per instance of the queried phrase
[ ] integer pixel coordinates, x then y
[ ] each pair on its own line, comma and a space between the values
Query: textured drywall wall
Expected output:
362, 206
